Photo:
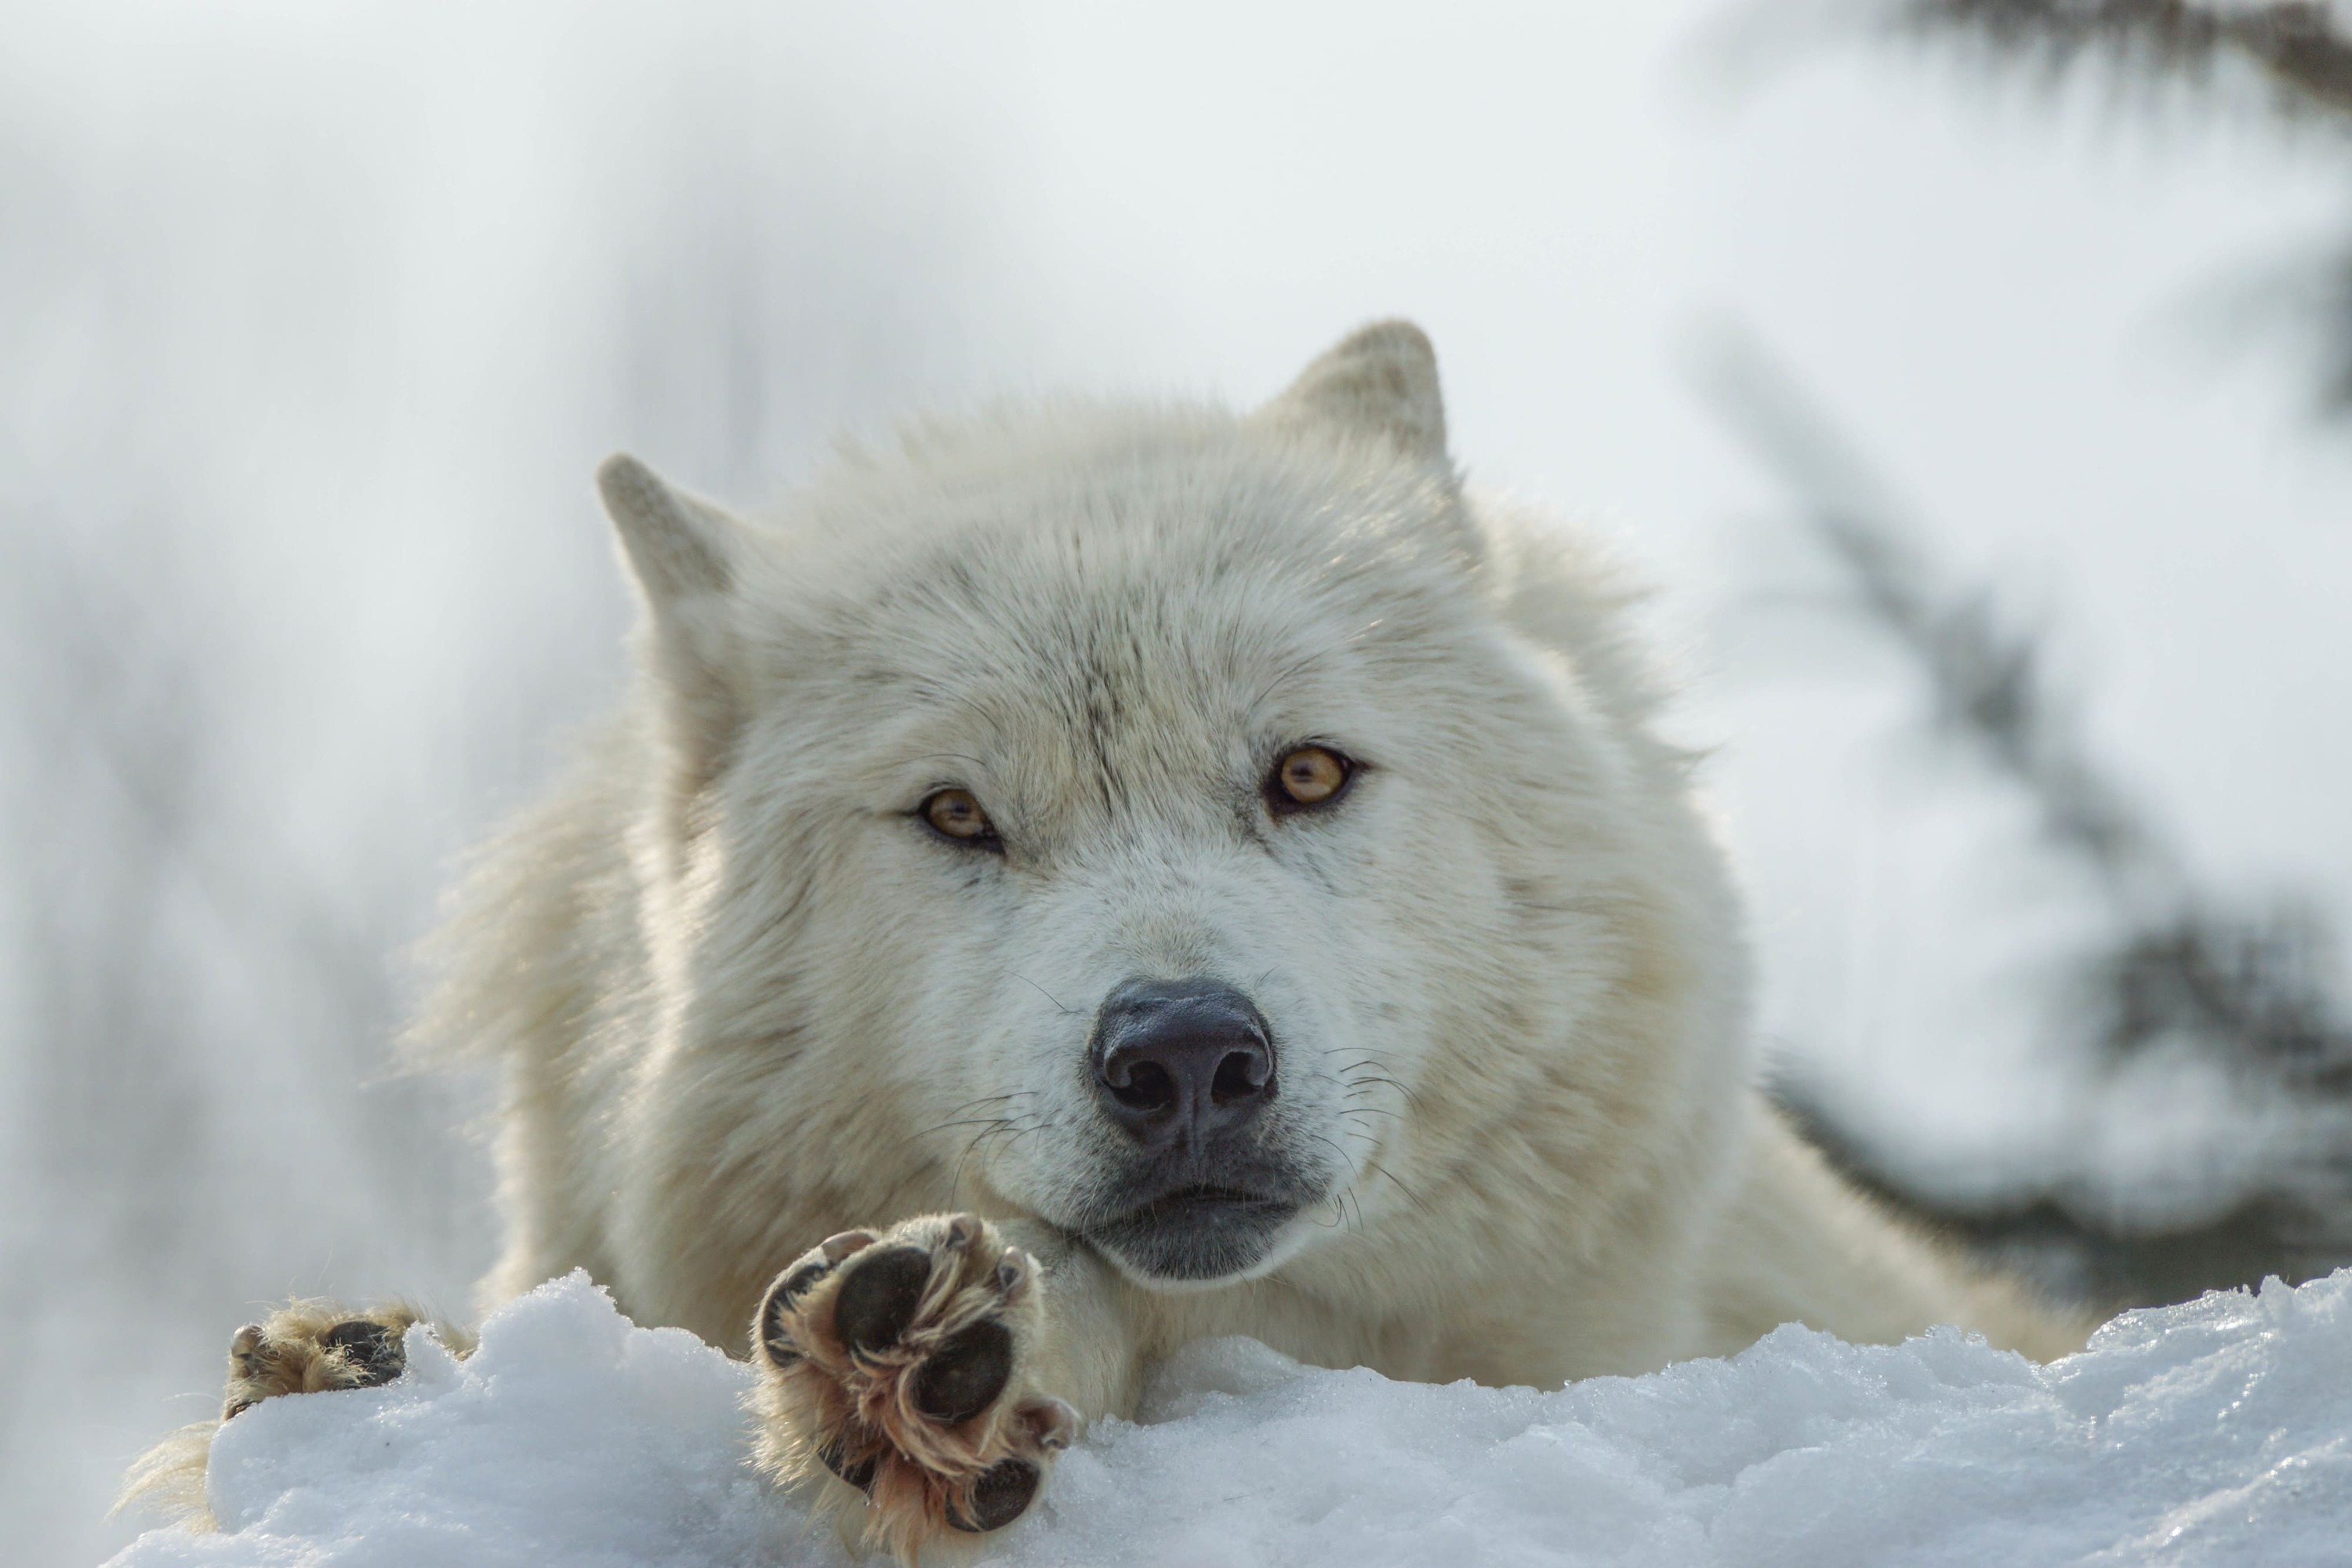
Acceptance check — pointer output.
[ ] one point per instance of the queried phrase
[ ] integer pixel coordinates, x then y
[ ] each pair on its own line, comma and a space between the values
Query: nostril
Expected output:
1241, 1074
1148, 1086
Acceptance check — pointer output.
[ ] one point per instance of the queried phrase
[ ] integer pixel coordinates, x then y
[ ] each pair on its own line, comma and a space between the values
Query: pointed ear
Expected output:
677, 545
1380, 381
683, 552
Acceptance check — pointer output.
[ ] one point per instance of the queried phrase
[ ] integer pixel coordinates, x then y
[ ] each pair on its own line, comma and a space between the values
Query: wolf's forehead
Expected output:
1165, 664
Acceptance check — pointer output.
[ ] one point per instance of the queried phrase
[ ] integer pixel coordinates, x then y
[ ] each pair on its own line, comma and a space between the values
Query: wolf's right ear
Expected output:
683, 552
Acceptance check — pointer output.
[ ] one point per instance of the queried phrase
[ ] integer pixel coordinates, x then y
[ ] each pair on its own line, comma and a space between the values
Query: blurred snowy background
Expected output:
1973, 414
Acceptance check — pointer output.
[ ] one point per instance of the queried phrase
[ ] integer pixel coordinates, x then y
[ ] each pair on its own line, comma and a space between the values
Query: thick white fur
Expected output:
743, 999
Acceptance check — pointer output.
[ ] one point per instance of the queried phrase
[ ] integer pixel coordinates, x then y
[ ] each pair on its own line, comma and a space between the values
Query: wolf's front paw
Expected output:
899, 1362
304, 1347
308, 1347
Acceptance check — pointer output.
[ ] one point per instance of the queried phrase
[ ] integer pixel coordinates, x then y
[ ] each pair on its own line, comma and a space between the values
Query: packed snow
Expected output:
2218, 1431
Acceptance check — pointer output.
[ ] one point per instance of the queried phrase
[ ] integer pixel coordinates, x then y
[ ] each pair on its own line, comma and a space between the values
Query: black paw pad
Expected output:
796, 1284
859, 1475
1001, 1496
964, 1376
778, 1344
879, 1297
774, 1343
374, 1350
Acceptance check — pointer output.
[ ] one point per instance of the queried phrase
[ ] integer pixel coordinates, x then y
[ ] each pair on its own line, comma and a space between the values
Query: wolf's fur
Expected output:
743, 999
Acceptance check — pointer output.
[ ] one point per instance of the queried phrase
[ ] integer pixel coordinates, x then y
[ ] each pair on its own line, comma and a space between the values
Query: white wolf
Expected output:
1161, 873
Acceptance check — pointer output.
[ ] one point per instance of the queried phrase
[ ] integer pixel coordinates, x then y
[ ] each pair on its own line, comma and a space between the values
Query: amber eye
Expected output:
955, 814
1312, 775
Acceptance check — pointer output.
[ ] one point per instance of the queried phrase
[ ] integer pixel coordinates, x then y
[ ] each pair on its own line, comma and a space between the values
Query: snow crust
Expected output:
2215, 1432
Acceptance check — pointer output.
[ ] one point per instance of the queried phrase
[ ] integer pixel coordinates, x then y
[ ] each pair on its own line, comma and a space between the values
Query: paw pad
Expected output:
879, 1293
1001, 1496
963, 1377
374, 1350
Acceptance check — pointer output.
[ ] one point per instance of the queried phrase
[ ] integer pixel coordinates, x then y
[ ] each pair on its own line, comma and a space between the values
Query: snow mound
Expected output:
2219, 1431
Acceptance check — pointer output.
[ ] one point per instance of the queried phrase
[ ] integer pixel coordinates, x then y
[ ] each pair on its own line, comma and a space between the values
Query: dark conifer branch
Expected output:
2242, 982
2296, 45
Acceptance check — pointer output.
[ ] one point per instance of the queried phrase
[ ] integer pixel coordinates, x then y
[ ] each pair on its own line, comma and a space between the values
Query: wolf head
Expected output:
1213, 835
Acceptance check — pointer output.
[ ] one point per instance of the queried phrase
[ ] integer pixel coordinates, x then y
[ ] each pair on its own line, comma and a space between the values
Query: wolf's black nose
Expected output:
1179, 1059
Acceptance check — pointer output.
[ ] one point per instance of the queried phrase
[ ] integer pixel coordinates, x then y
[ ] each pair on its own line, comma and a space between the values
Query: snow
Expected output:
2217, 1431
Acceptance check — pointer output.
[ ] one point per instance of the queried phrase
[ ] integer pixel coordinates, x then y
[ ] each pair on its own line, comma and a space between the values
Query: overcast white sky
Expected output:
321, 314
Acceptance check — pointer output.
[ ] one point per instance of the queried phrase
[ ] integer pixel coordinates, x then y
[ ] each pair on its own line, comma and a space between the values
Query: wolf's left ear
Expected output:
679, 545
683, 552
1380, 381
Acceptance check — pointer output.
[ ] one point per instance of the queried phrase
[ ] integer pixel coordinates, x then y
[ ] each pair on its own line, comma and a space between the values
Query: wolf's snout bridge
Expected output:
1182, 1061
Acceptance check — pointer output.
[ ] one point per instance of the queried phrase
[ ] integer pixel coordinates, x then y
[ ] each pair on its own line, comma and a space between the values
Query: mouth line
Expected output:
1207, 1192
1197, 1234
1192, 1200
